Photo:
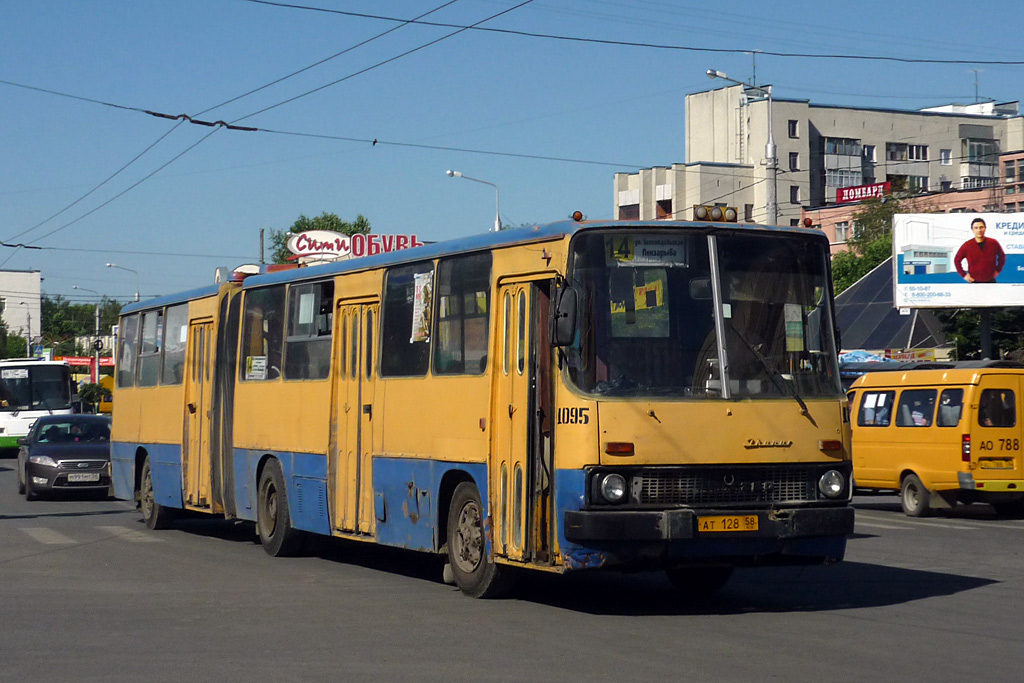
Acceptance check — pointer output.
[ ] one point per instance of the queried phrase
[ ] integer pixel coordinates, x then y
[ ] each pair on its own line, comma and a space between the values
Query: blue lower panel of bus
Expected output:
306, 477
405, 498
165, 466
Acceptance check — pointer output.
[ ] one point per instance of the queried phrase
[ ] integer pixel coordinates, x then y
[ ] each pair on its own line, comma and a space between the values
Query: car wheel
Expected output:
273, 522
30, 493
914, 497
473, 571
21, 480
155, 515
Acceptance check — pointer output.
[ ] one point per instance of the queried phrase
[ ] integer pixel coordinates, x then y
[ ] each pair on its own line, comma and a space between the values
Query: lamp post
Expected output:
96, 371
28, 335
114, 265
770, 155
497, 215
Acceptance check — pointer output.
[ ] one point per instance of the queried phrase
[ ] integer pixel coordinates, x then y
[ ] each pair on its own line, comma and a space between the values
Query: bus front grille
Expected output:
725, 486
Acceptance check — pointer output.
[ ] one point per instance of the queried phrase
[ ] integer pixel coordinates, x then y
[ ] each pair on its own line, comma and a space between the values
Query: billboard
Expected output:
948, 260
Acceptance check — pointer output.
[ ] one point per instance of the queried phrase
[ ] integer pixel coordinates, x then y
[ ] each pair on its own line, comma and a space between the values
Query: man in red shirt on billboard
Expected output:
985, 257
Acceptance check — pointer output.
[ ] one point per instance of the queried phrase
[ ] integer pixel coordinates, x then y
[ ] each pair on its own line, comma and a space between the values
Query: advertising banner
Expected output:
949, 260
861, 192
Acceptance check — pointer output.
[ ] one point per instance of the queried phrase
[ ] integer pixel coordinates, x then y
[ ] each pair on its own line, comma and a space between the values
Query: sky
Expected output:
88, 178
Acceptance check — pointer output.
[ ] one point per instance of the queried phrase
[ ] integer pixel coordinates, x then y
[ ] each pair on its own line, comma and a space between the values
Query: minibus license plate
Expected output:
727, 523
84, 476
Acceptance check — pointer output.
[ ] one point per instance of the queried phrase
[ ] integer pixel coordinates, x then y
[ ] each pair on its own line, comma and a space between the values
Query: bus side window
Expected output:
950, 406
128, 345
916, 408
876, 409
997, 408
263, 334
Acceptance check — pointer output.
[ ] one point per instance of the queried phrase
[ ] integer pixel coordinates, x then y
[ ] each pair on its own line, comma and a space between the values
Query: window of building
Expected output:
946, 157
794, 222
975, 182
916, 408
262, 334
899, 182
405, 334
150, 343
175, 342
663, 207
748, 212
1011, 189
869, 153
979, 151
946, 185
128, 346
463, 305
842, 231
307, 347
794, 161
843, 146
876, 409
997, 408
794, 128
629, 212
1010, 171
918, 183
896, 151
794, 194
842, 177
917, 152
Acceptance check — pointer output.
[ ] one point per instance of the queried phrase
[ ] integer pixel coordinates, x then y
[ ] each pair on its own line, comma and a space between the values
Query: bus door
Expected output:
521, 467
996, 436
198, 396
352, 442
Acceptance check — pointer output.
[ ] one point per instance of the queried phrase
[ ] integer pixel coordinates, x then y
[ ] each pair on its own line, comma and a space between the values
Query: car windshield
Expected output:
72, 431
35, 387
648, 324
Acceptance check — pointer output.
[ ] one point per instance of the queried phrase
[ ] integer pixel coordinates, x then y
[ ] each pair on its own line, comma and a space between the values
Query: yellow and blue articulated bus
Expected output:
640, 395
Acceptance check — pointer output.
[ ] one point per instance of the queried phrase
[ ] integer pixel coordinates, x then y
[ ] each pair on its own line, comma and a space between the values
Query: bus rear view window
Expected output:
997, 408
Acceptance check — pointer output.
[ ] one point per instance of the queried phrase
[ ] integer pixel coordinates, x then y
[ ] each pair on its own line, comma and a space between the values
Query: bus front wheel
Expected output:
474, 573
155, 515
273, 522
914, 497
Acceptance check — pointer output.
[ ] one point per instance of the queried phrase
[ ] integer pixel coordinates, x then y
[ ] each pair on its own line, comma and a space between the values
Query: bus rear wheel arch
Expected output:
273, 521
915, 499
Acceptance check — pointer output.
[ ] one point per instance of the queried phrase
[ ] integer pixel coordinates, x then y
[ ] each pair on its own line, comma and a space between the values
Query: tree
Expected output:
326, 221
92, 394
871, 244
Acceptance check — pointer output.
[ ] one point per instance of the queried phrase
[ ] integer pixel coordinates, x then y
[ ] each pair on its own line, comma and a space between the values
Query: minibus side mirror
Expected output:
563, 321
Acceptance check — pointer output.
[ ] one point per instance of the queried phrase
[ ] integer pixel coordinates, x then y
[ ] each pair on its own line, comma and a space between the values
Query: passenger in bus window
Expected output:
950, 406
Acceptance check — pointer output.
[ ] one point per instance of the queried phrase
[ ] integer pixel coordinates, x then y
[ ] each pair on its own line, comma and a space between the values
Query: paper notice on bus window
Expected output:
306, 300
256, 367
794, 328
649, 250
14, 373
422, 296
869, 400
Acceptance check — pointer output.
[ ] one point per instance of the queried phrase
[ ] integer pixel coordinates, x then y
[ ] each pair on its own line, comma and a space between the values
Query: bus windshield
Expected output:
649, 325
35, 387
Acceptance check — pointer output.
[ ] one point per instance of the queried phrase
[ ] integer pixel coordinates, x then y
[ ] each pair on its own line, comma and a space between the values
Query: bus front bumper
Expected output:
589, 526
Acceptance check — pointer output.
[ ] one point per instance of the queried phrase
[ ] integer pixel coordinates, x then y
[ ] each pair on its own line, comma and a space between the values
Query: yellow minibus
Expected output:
941, 436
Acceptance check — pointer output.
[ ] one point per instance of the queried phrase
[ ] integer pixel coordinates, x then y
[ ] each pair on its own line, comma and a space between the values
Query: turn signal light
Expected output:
965, 448
830, 445
619, 448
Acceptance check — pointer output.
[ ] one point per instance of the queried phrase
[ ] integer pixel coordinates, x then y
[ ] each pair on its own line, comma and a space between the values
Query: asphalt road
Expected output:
87, 593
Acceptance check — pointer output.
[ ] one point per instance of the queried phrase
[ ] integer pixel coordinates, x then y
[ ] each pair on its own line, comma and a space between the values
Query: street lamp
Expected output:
114, 265
497, 215
771, 158
96, 351
28, 335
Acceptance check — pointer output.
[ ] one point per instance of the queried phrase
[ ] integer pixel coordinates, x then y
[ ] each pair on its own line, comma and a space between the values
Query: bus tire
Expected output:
273, 522
474, 573
914, 497
155, 515
698, 581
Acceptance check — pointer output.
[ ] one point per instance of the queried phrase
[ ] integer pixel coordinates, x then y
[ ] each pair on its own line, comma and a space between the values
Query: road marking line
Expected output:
47, 536
879, 526
133, 535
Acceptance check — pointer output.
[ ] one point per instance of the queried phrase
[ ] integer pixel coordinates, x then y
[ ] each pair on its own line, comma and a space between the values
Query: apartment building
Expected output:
820, 149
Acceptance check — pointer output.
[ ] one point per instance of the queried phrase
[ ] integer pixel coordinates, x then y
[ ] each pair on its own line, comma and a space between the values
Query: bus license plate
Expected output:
727, 523
84, 476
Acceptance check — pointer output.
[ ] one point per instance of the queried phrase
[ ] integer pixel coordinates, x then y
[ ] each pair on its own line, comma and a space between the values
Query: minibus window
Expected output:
950, 405
917, 408
997, 408
876, 409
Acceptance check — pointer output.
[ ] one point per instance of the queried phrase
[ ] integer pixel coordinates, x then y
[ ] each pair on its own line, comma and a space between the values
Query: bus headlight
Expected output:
613, 487
832, 484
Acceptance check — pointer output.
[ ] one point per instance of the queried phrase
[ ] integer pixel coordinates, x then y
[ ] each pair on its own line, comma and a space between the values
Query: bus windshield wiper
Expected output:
773, 374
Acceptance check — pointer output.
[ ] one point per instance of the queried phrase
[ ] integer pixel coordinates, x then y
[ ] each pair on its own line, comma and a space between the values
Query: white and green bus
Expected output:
30, 388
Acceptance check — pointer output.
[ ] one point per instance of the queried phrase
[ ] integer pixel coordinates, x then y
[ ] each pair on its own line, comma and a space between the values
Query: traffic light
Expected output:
715, 213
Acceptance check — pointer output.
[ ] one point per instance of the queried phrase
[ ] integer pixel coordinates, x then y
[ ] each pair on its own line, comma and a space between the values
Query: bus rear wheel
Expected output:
914, 497
155, 515
273, 522
698, 581
474, 573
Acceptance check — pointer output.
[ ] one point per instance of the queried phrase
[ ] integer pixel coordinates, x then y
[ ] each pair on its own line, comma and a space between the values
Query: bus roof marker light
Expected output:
577, 216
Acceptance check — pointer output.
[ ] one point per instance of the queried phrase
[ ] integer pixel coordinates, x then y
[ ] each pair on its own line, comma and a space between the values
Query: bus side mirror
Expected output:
563, 322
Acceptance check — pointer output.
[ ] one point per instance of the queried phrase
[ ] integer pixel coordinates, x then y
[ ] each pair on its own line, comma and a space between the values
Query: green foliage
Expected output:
326, 221
963, 332
93, 393
874, 221
62, 321
850, 266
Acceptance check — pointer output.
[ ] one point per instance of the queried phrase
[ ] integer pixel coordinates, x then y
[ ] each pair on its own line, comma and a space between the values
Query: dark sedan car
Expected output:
64, 453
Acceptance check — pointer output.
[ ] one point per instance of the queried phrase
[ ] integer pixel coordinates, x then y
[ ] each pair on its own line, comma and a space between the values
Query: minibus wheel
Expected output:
914, 497
698, 581
473, 571
273, 522
155, 515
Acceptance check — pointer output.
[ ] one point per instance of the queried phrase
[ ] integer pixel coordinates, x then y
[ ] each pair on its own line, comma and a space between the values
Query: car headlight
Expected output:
832, 484
613, 487
44, 460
